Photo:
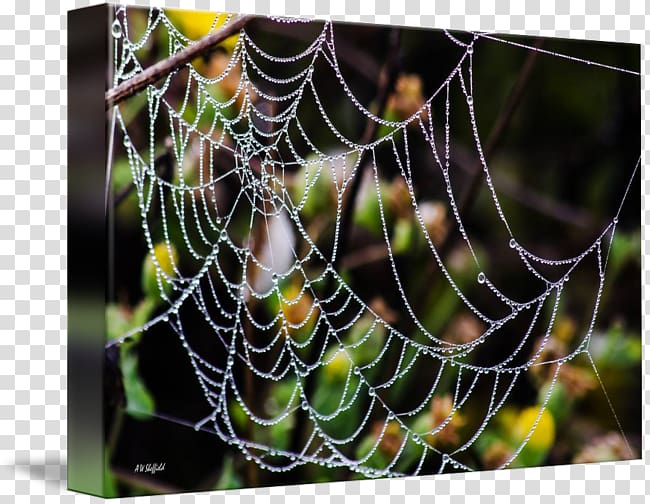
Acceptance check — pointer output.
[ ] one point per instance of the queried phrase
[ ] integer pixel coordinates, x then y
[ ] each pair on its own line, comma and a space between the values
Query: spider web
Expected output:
276, 310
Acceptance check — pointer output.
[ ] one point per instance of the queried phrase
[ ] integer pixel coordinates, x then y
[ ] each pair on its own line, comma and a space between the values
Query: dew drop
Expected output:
223, 235
615, 221
513, 243
231, 361
470, 49
304, 405
371, 391
116, 29
357, 371
126, 142
470, 100
481, 278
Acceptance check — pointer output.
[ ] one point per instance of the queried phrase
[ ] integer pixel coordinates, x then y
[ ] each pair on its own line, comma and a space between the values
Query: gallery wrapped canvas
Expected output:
308, 251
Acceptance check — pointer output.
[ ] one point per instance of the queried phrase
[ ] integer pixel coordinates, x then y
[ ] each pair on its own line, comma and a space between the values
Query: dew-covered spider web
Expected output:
286, 342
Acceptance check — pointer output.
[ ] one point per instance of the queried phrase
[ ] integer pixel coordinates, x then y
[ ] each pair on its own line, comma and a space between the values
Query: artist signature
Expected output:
150, 468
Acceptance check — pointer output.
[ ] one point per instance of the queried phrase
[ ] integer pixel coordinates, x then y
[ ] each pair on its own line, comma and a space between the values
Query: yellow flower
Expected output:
197, 24
337, 368
165, 260
166, 257
296, 306
565, 328
543, 436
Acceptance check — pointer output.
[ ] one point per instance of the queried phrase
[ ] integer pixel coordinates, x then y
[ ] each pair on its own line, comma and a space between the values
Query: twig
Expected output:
502, 123
496, 135
165, 67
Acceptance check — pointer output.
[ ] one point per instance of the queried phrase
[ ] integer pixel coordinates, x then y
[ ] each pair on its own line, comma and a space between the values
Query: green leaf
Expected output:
229, 479
366, 212
139, 401
118, 321
151, 272
403, 233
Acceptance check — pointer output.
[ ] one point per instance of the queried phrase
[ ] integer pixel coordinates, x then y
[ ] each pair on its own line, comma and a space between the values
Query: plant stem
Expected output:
163, 68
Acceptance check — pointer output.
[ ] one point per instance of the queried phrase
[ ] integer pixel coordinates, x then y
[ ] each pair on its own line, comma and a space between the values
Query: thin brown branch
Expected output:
165, 67
495, 138
500, 127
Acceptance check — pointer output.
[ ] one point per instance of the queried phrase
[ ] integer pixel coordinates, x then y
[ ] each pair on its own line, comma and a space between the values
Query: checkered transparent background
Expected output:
33, 230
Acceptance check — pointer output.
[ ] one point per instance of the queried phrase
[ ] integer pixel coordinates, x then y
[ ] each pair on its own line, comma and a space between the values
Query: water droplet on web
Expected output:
116, 29
371, 391
615, 221
470, 100
126, 142
223, 235
513, 243
481, 278
304, 405
357, 371
231, 361
470, 49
